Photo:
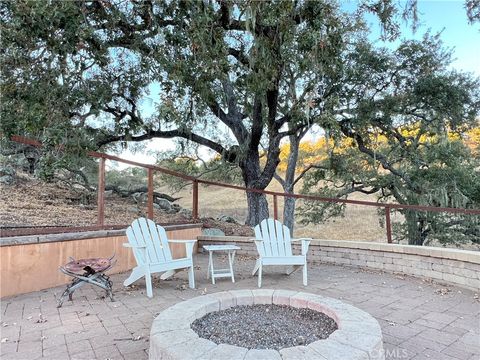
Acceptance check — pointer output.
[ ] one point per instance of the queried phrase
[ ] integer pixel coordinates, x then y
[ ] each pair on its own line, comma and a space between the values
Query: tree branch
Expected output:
308, 168
257, 123
279, 179
239, 56
378, 156
150, 134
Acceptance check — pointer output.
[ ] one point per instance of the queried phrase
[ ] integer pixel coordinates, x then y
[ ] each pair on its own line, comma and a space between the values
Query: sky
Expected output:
447, 17
450, 19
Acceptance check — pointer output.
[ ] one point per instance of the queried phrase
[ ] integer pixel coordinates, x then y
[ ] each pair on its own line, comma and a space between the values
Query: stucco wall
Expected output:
31, 263
451, 266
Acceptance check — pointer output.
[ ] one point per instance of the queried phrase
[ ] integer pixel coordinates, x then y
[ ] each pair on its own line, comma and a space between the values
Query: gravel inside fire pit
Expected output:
264, 326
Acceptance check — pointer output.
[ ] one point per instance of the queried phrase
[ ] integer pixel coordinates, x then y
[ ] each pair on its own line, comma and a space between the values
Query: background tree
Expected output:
405, 115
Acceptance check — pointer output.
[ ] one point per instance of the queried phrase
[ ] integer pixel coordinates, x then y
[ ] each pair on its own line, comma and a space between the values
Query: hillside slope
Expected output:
31, 202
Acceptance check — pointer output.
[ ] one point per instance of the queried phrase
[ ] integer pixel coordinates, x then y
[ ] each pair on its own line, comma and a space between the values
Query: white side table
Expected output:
219, 273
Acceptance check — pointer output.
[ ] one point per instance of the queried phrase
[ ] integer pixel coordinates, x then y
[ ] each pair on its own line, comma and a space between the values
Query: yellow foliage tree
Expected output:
317, 151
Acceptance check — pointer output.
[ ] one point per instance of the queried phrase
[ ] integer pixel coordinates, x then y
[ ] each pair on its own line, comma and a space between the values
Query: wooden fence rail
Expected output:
151, 169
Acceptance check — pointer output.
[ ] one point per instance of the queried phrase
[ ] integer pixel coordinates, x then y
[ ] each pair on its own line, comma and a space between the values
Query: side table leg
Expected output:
210, 260
208, 267
231, 257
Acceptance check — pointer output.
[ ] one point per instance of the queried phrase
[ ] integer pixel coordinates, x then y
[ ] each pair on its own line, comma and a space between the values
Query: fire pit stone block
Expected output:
256, 354
262, 296
244, 297
226, 352
282, 297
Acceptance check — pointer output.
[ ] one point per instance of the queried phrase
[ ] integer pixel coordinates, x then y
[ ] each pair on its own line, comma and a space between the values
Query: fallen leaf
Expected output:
442, 291
41, 319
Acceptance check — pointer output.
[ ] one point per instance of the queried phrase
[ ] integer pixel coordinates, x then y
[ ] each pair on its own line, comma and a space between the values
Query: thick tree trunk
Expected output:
288, 182
416, 233
289, 213
257, 202
257, 208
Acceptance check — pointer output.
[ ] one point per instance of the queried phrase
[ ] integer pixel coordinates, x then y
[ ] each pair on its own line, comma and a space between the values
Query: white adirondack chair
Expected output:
274, 247
150, 247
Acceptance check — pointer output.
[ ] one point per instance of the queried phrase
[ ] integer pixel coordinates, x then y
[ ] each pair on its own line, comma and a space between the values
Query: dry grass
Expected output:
359, 223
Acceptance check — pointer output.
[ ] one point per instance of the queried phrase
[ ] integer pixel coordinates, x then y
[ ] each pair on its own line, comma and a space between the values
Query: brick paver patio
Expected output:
419, 320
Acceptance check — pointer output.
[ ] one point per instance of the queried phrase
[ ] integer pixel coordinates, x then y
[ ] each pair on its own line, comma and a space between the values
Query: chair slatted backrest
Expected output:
144, 232
276, 238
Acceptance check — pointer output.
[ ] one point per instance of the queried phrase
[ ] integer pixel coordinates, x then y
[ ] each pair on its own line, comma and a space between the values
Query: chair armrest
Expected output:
259, 246
189, 244
128, 245
305, 244
182, 241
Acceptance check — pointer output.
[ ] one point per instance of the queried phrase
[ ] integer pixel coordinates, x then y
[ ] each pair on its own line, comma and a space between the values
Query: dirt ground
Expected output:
31, 203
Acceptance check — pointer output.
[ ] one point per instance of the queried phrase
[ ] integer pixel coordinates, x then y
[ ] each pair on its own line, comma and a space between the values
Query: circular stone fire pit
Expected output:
358, 335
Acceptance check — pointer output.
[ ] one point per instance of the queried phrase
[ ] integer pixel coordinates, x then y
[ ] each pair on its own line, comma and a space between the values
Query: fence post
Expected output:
195, 200
150, 194
275, 207
388, 224
101, 193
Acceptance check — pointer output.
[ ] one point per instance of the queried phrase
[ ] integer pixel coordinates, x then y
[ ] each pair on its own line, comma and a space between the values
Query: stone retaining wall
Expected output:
451, 266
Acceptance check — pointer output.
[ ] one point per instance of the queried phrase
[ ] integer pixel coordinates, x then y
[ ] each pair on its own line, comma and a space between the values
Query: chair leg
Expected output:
305, 274
168, 274
292, 269
260, 275
191, 277
148, 282
255, 269
136, 274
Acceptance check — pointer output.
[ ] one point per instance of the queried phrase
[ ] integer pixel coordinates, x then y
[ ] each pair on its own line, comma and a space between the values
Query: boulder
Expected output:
7, 171
87, 206
7, 175
185, 212
164, 204
228, 219
133, 209
212, 232
7, 180
139, 197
